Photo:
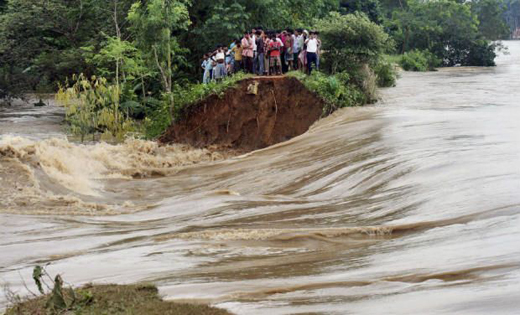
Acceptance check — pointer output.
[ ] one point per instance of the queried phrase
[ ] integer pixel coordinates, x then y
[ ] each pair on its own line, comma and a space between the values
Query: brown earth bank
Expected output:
109, 299
257, 113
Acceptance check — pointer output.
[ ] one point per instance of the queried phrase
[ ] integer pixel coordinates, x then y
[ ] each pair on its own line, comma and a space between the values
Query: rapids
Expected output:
408, 206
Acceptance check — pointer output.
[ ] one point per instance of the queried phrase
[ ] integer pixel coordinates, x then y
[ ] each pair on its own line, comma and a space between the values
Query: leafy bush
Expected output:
481, 54
419, 60
93, 106
394, 59
336, 90
351, 41
385, 73
158, 120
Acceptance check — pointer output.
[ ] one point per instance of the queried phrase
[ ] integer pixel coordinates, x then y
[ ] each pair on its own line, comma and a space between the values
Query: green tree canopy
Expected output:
448, 28
351, 41
370, 7
491, 13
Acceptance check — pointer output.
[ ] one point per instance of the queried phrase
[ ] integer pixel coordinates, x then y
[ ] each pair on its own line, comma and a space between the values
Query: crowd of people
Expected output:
264, 53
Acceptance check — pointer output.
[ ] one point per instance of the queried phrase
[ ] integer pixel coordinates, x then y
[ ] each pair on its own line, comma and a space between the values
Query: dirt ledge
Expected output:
281, 109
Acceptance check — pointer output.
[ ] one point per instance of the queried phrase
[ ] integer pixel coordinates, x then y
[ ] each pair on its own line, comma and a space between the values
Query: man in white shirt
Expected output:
255, 50
319, 50
220, 69
312, 51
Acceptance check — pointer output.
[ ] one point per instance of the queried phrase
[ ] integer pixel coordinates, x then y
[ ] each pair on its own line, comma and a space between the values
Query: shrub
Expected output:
419, 60
336, 90
385, 73
351, 41
481, 53
157, 121
93, 106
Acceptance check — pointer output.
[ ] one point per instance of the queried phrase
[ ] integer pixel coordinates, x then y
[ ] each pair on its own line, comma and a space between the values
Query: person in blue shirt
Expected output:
207, 66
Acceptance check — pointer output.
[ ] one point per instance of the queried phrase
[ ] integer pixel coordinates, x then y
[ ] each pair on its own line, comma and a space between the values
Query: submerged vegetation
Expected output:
98, 299
419, 60
93, 105
128, 67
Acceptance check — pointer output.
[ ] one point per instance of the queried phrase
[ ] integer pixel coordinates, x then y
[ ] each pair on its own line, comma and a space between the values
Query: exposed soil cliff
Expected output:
259, 112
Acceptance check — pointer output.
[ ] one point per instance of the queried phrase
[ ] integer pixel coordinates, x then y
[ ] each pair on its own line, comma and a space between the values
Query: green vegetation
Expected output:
109, 299
97, 299
93, 105
337, 90
491, 16
419, 60
386, 73
449, 29
351, 41
512, 14
353, 66
132, 65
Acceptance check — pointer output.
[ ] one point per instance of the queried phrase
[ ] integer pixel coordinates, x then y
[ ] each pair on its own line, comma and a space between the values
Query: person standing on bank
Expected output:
317, 34
237, 51
289, 45
296, 49
220, 69
255, 52
275, 62
312, 52
206, 66
247, 53
260, 51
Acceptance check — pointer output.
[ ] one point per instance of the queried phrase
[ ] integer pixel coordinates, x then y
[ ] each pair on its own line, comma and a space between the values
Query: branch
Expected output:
165, 80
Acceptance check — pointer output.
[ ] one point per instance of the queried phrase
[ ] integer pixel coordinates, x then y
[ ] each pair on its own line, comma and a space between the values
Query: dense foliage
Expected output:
449, 29
336, 90
419, 60
94, 106
148, 51
351, 41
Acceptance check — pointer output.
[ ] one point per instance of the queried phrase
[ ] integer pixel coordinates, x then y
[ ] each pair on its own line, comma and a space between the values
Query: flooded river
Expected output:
408, 206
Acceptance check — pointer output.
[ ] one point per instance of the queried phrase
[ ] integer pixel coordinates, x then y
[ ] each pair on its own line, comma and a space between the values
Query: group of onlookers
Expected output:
264, 53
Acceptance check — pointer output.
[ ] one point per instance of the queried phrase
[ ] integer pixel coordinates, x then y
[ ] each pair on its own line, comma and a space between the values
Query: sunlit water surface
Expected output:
408, 206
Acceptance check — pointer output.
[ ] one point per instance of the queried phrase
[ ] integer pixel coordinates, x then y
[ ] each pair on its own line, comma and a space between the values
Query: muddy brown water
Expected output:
408, 206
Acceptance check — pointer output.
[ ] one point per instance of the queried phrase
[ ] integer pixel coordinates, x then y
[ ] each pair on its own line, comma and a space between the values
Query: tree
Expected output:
153, 25
491, 15
41, 41
448, 28
351, 41
370, 7
512, 14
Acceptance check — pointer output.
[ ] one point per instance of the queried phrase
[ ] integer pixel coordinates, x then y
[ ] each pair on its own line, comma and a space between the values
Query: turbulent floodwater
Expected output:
409, 206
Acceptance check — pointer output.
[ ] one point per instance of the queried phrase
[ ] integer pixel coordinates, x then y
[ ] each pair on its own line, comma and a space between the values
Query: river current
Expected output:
408, 206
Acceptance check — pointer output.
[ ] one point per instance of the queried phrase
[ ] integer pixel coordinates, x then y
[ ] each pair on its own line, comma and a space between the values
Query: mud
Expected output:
281, 109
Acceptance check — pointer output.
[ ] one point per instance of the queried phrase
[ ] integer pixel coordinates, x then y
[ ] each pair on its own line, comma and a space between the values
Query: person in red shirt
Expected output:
274, 60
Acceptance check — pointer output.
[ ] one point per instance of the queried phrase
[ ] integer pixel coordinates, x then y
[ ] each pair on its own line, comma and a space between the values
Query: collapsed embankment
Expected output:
257, 113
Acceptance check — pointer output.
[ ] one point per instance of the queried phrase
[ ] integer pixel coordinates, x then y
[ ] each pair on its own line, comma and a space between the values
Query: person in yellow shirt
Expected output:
237, 51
